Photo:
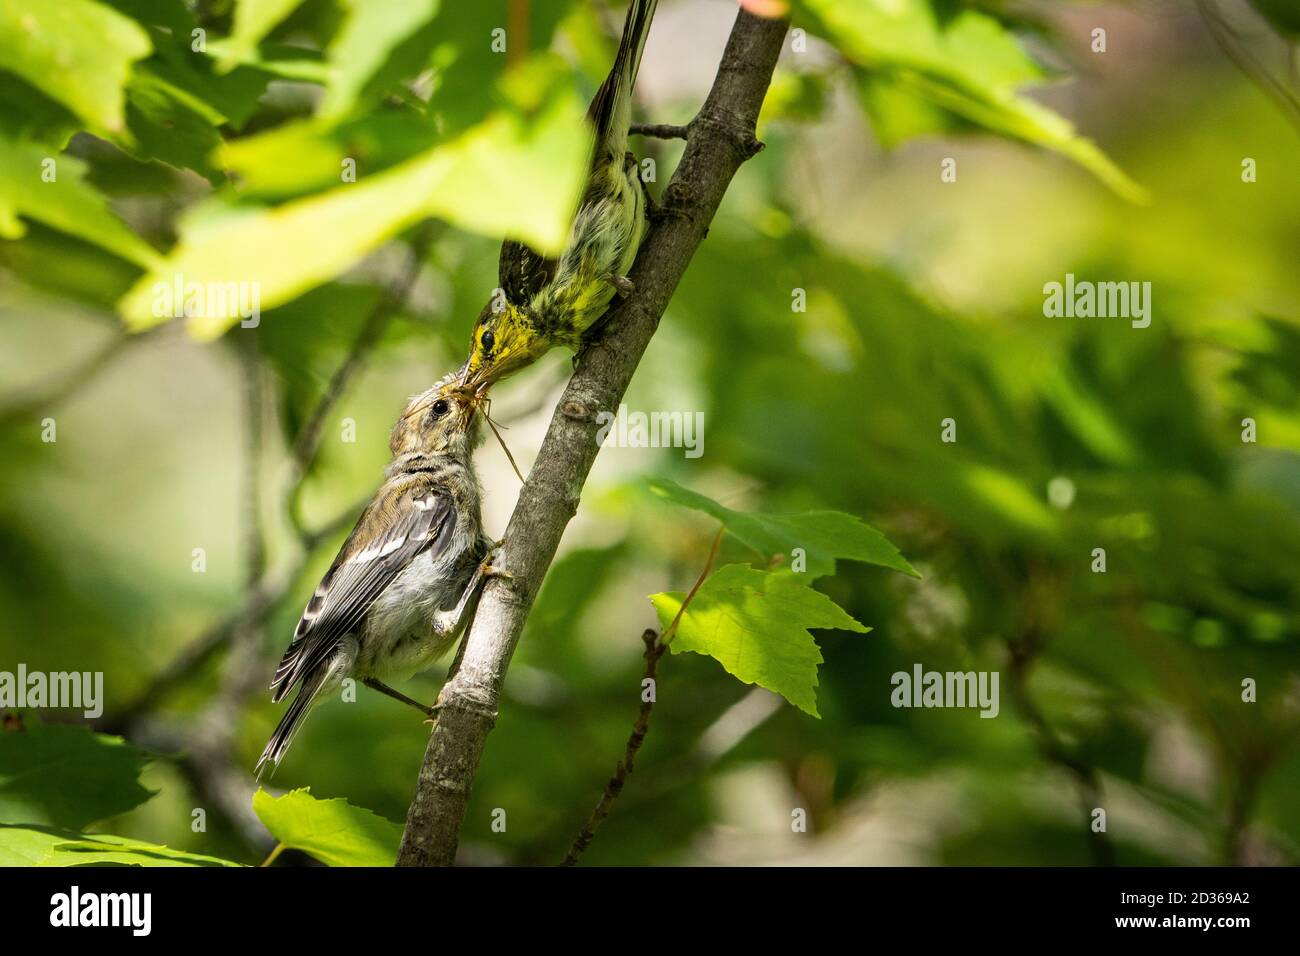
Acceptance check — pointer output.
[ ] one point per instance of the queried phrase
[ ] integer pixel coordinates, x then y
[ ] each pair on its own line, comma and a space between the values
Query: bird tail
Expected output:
291, 722
611, 109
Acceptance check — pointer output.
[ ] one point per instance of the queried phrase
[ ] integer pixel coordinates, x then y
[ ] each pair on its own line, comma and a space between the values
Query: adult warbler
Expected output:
407, 579
545, 302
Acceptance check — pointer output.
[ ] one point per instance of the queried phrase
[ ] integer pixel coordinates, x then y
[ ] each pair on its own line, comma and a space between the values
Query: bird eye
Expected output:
440, 408
488, 340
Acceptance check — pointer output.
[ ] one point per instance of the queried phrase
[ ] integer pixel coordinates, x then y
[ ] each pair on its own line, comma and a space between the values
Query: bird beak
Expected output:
470, 396
464, 375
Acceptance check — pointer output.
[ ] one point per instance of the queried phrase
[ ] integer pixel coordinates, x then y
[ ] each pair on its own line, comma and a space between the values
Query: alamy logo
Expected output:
232, 300
1102, 300
82, 690
923, 688
75, 908
652, 430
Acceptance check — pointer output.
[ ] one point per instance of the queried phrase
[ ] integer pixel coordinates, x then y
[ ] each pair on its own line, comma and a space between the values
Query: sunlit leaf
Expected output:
1007, 497
333, 831
67, 203
306, 156
510, 175
254, 19
371, 29
967, 65
29, 845
756, 625
76, 51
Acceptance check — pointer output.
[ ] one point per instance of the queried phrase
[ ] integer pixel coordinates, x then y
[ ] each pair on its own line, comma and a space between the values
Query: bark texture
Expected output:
719, 140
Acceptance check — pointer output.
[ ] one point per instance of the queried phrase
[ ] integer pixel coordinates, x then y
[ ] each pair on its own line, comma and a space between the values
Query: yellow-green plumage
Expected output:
550, 302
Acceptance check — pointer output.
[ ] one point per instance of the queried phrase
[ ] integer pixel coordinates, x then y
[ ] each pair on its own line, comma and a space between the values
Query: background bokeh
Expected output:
924, 302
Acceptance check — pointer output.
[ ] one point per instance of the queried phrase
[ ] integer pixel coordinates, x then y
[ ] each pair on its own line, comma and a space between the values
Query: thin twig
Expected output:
731, 727
517, 28
1227, 40
660, 130
721, 137
654, 649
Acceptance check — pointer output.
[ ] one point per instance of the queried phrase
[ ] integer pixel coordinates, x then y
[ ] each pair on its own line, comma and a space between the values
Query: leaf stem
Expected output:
671, 630
271, 857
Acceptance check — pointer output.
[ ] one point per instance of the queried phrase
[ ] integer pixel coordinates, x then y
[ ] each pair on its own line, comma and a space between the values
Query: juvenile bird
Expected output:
545, 302
407, 579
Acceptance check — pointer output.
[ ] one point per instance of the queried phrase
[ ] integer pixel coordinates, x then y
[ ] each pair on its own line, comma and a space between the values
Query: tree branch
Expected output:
660, 131
655, 647
721, 138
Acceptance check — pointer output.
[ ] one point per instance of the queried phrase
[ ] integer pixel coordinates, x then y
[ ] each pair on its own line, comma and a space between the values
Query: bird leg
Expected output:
453, 623
397, 695
490, 568
623, 284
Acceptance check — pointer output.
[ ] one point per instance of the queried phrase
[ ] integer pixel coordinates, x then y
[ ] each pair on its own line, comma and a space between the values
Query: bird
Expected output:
406, 581
544, 302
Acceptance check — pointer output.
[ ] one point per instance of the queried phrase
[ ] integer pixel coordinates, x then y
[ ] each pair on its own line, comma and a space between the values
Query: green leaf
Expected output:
916, 69
755, 624
510, 175
823, 535
297, 158
278, 59
171, 16
1283, 14
67, 203
370, 31
467, 72
998, 492
30, 845
333, 831
81, 272
68, 776
28, 114
254, 19
76, 51
170, 125
232, 95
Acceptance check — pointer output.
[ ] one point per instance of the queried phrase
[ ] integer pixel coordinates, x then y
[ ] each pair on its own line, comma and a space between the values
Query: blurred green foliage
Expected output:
221, 153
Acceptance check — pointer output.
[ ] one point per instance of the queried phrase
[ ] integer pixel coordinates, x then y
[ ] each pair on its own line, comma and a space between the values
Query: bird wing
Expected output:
387, 538
611, 109
523, 271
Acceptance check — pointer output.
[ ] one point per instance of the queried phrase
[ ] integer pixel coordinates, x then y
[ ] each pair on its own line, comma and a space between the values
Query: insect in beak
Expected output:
478, 399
